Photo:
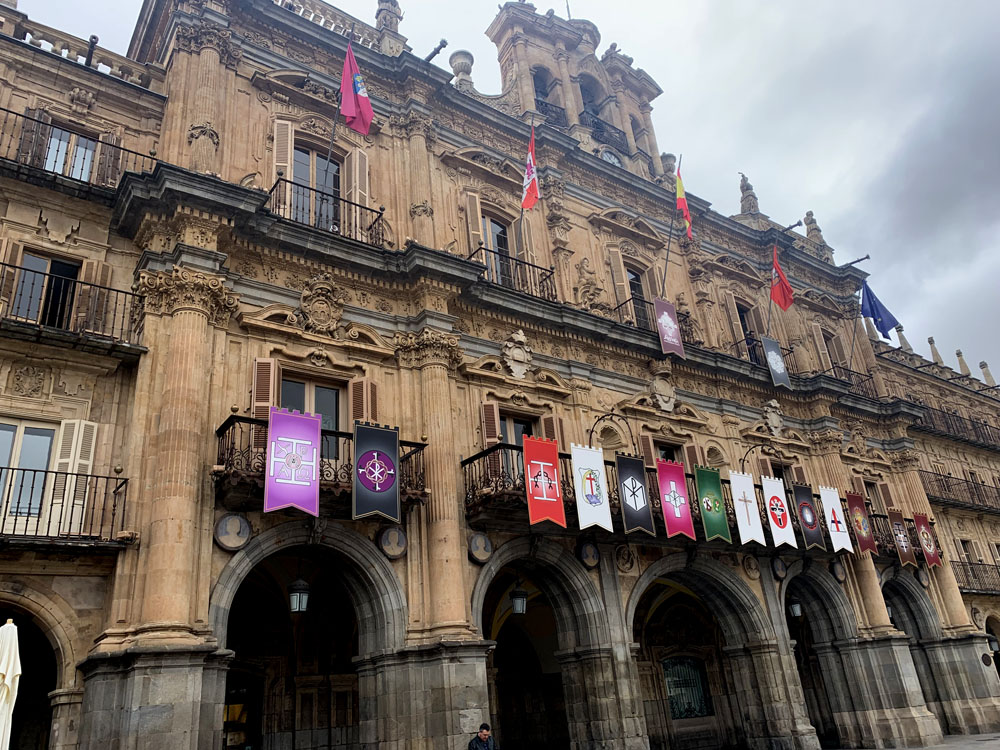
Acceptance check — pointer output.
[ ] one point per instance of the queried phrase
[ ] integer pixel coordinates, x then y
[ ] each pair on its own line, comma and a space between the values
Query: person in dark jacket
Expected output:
482, 740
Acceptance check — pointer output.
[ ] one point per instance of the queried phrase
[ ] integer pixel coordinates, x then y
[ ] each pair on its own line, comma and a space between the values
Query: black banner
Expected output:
376, 472
809, 518
775, 362
634, 494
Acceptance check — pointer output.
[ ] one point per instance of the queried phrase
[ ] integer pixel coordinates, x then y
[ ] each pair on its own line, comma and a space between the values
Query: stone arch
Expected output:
831, 613
917, 607
55, 619
578, 607
375, 589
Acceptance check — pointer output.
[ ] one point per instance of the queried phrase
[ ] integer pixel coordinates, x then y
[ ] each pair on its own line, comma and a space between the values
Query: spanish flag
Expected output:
682, 203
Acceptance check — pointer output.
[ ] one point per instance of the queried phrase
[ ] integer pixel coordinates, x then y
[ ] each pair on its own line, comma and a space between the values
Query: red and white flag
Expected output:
529, 196
541, 481
354, 102
781, 290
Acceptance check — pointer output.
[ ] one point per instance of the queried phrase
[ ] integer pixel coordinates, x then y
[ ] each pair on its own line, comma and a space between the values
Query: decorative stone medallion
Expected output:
480, 548
922, 578
838, 571
589, 555
779, 568
392, 542
751, 567
624, 558
232, 532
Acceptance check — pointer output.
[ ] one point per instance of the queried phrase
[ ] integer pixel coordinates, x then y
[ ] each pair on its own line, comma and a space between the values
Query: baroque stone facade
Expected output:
207, 262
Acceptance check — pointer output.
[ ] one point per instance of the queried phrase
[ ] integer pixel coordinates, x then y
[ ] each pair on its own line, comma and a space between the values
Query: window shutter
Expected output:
553, 429
837, 351
489, 419
363, 395
886, 494
266, 379
691, 456
74, 463
8, 275
109, 160
961, 551
34, 137
284, 142
648, 448
620, 281
522, 239
822, 353
977, 551
758, 321
739, 347
799, 474
356, 167
765, 467
474, 219
91, 304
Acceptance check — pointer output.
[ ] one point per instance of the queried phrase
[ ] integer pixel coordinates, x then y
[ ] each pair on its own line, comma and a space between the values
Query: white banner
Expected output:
745, 507
836, 518
590, 480
778, 513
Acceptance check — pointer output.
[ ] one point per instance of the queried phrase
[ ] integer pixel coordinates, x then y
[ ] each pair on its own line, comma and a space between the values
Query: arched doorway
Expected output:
32, 720
993, 634
294, 631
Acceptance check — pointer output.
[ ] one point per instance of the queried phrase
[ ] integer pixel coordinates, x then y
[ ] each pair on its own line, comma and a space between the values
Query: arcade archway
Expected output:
32, 721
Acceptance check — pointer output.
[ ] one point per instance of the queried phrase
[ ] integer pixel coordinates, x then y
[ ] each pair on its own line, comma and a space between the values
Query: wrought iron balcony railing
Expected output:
977, 578
605, 132
637, 312
59, 150
59, 506
959, 427
37, 299
327, 211
861, 384
510, 272
960, 492
752, 350
554, 115
242, 461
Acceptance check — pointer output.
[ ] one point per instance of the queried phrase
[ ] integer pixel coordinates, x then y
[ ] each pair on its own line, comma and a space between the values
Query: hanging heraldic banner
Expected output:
836, 524
673, 496
904, 545
376, 472
812, 531
634, 494
593, 506
745, 507
292, 466
776, 507
668, 328
926, 537
775, 362
541, 481
859, 521
713, 507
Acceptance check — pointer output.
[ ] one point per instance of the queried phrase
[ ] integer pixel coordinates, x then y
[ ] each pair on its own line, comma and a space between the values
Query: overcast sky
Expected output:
880, 116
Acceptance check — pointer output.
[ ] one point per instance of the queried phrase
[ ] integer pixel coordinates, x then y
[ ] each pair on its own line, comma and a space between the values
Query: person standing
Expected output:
482, 740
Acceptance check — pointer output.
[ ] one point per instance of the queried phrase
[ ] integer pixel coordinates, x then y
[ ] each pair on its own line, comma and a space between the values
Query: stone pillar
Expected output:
66, 705
571, 101
621, 116
436, 354
420, 130
654, 150
526, 87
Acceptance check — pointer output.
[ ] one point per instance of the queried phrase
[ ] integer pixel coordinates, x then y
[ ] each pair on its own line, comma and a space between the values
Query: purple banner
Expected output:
668, 328
293, 456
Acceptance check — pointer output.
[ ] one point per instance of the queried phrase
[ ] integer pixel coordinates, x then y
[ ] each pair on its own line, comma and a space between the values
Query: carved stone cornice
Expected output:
182, 290
429, 347
826, 441
904, 460
205, 35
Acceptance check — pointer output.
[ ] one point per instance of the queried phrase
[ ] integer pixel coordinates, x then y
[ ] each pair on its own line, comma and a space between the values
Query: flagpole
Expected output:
670, 234
333, 130
520, 220
850, 359
770, 307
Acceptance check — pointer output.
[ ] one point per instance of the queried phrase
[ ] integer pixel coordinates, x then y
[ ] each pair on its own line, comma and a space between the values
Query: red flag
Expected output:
541, 481
354, 102
682, 203
674, 499
781, 290
926, 537
860, 523
529, 195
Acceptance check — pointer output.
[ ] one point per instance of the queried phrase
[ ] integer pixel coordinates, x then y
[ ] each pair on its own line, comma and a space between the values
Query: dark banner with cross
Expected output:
376, 472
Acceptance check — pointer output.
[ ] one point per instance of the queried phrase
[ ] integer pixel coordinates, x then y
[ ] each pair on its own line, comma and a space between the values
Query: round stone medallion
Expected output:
392, 542
480, 548
922, 578
589, 555
779, 568
838, 571
232, 532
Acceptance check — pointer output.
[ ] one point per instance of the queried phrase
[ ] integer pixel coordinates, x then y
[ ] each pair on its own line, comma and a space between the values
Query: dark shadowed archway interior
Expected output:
32, 710
292, 683
993, 633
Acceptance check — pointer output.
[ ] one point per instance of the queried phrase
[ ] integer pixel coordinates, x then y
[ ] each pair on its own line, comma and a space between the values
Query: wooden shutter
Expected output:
489, 420
474, 220
34, 139
977, 551
961, 551
691, 456
363, 395
356, 167
758, 321
74, 463
764, 464
620, 281
886, 494
266, 381
522, 239
799, 474
109, 160
284, 145
649, 452
553, 429
739, 347
837, 351
92, 308
8, 275
824, 356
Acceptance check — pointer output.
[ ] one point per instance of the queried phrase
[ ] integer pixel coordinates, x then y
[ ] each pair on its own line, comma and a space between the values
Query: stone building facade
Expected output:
180, 252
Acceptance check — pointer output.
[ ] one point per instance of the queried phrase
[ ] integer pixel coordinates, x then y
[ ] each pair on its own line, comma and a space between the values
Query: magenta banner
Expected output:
293, 456
668, 328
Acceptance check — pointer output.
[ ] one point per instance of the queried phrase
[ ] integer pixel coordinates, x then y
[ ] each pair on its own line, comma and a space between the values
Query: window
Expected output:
780, 471
314, 399
315, 189
974, 477
44, 290
744, 315
687, 687
874, 497
70, 154
967, 550
666, 452
641, 308
25, 452
514, 429
496, 237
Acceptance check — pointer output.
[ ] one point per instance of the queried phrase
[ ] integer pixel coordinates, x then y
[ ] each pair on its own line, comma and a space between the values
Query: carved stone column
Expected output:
436, 354
189, 304
654, 150
569, 88
526, 87
420, 131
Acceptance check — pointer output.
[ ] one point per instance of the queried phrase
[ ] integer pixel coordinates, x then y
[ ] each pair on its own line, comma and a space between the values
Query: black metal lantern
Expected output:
518, 599
298, 595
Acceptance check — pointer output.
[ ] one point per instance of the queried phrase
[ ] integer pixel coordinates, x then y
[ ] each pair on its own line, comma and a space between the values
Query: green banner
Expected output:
713, 507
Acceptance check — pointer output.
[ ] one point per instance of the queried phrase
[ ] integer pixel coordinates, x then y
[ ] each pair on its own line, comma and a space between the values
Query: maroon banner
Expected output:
926, 537
674, 498
861, 524
668, 328
541, 481
904, 545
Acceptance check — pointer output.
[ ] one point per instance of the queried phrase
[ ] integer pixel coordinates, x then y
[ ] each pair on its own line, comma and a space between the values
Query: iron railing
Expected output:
979, 578
638, 312
62, 150
605, 132
243, 448
38, 298
510, 272
752, 349
59, 505
960, 492
957, 426
327, 211
884, 537
554, 115
860, 384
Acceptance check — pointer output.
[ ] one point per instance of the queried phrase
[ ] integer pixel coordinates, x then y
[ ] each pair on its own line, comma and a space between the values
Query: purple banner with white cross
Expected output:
293, 456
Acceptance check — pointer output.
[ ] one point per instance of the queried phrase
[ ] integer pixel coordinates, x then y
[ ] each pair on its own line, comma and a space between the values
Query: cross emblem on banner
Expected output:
675, 498
778, 512
635, 494
542, 480
902, 539
746, 504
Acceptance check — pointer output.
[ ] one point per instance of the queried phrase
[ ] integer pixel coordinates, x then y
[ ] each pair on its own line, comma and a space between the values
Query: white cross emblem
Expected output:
294, 458
902, 539
542, 479
675, 499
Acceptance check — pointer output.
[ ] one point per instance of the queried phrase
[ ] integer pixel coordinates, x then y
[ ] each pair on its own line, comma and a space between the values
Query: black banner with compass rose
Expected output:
775, 362
376, 472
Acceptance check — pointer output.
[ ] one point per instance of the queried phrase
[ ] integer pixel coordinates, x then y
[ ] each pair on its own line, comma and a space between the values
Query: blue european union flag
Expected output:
871, 308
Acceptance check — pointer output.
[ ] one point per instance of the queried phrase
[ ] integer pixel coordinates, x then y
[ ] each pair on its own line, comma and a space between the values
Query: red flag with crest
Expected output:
529, 195
781, 290
541, 481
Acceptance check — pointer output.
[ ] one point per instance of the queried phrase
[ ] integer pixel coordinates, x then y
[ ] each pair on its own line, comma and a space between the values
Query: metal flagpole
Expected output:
850, 359
770, 307
670, 235
333, 132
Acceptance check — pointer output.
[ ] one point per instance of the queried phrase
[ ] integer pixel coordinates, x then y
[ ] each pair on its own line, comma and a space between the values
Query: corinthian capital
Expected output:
429, 347
180, 289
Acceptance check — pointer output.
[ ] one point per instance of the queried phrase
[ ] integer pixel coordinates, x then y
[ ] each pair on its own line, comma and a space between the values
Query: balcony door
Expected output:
25, 455
496, 237
315, 189
44, 289
640, 305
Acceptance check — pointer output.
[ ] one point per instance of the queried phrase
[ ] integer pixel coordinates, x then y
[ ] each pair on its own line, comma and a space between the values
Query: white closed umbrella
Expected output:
10, 675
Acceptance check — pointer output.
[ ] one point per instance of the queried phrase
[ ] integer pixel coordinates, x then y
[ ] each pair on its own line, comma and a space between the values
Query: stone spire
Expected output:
870, 328
903, 343
388, 15
813, 231
987, 375
748, 198
935, 354
962, 367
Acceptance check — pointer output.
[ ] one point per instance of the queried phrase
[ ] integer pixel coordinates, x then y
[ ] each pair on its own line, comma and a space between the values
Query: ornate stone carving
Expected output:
412, 124
321, 306
388, 16
588, 290
812, 229
203, 130
209, 35
421, 209
29, 381
773, 417
320, 91
180, 289
81, 100
517, 354
429, 347
748, 198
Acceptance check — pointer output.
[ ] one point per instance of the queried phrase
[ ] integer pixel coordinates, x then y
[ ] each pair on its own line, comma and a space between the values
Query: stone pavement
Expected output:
969, 742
